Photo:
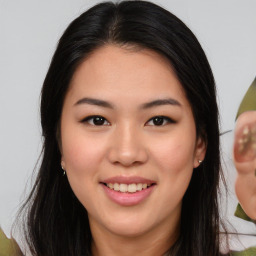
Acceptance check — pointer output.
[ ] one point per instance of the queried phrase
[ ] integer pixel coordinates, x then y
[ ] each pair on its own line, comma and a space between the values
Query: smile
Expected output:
130, 188
128, 191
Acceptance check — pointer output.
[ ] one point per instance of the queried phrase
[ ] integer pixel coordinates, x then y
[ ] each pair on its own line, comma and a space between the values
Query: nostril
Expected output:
127, 153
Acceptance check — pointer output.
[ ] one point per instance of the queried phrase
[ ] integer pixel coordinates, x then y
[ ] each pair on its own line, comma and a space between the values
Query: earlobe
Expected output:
200, 151
63, 166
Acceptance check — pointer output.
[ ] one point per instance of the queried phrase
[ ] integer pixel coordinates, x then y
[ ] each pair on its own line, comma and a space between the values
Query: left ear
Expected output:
200, 150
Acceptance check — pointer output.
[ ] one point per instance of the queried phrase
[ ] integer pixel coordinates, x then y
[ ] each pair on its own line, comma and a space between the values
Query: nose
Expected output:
127, 147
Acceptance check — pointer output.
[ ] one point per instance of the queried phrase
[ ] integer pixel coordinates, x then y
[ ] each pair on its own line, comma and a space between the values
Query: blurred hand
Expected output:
245, 161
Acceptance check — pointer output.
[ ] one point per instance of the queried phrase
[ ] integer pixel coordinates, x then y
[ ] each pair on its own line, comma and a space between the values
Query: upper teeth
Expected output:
132, 188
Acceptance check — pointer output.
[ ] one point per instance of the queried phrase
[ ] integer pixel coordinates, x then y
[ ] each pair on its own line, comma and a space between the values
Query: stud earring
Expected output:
200, 161
64, 172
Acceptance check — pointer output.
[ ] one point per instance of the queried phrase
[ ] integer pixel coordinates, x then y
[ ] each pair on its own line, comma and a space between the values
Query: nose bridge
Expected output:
127, 145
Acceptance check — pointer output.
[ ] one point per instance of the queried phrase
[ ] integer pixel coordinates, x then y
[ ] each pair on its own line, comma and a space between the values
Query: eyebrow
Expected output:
97, 102
160, 102
105, 104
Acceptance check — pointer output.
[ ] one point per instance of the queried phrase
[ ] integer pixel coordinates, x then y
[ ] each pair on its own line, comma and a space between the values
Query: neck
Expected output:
152, 243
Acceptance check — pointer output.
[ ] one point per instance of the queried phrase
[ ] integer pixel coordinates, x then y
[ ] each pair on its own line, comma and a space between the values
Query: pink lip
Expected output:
127, 199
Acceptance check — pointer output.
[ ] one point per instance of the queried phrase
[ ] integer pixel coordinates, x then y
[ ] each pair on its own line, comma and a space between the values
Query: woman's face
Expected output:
129, 141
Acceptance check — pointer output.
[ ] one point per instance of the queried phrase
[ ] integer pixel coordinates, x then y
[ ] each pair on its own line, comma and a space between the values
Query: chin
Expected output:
128, 231
130, 226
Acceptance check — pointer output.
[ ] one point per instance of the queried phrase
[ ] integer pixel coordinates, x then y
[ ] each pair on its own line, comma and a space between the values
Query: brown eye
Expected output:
95, 120
160, 121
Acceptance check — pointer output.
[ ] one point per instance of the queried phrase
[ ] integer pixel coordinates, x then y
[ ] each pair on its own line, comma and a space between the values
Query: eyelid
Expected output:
166, 118
88, 118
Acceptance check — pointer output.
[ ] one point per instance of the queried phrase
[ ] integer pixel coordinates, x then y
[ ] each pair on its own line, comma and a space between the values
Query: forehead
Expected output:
120, 73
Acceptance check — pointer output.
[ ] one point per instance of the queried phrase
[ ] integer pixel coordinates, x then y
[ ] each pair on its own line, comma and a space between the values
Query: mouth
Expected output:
128, 191
128, 188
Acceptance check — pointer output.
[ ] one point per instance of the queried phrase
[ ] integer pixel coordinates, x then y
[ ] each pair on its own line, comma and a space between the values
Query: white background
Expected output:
29, 31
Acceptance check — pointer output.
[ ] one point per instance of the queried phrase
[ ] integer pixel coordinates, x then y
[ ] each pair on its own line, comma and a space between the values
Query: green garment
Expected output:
249, 101
8, 247
241, 214
248, 252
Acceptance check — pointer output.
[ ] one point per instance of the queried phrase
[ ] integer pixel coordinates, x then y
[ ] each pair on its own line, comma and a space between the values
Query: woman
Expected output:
130, 163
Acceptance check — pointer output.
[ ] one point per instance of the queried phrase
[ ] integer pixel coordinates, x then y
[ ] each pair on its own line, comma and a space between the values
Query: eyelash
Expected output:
92, 118
164, 119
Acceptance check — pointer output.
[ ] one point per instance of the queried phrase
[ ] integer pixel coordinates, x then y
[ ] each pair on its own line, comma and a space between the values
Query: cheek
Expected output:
174, 158
174, 154
82, 154
82, 157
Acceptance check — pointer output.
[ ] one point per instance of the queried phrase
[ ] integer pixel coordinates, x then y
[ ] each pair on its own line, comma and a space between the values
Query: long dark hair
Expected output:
56, 222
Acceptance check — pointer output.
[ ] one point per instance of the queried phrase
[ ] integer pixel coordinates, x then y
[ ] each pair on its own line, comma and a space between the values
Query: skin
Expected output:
129, 144
245, 163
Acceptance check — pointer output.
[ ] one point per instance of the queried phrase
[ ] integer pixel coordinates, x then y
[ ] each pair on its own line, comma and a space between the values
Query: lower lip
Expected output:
128, 199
